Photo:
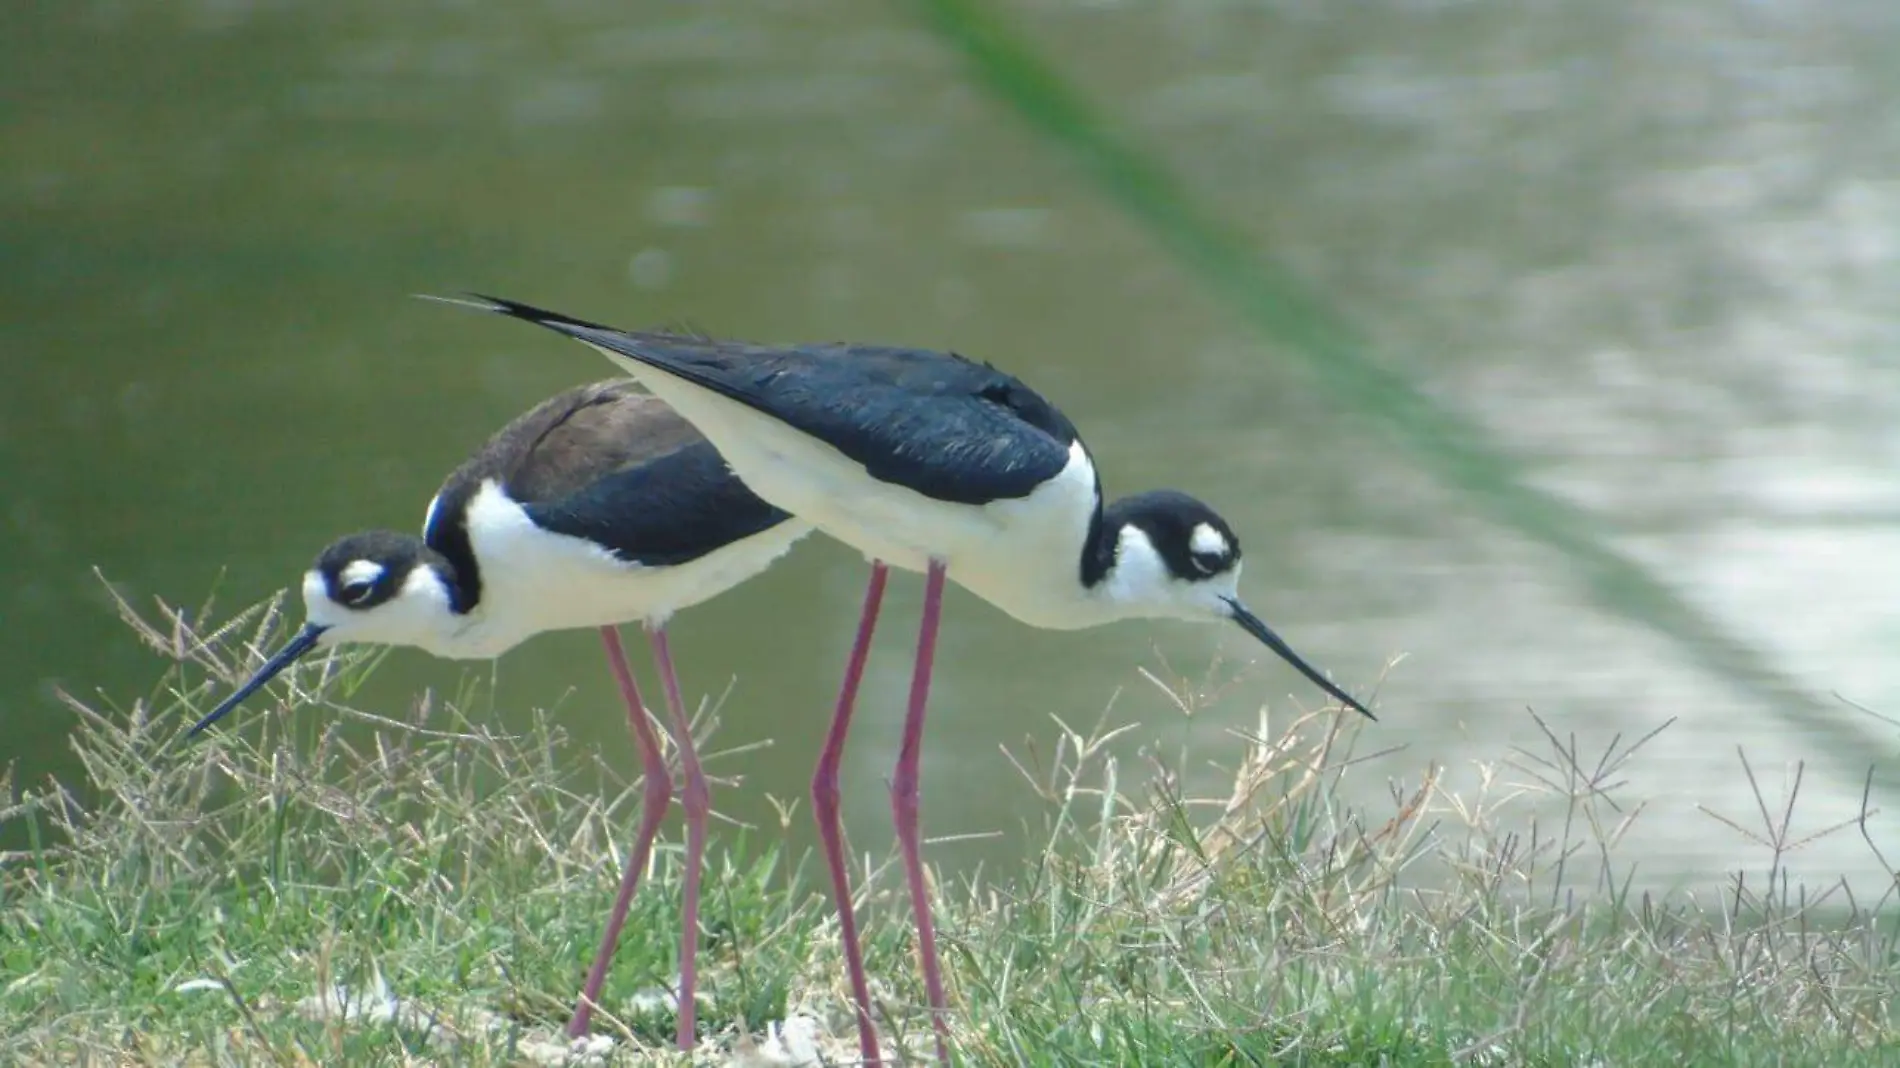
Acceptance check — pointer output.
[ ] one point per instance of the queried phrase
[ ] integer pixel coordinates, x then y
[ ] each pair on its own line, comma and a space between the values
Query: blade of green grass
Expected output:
444, 882
1453, 448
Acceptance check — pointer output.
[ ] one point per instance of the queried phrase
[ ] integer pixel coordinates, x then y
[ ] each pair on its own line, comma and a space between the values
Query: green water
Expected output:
1648, 250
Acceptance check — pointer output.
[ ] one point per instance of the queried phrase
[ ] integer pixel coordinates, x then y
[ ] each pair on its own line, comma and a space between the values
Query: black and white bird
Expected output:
599, 506
932, 462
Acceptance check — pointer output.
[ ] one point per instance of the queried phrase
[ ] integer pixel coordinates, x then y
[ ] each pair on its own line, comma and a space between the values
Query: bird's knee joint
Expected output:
824, 794
659, 788
696, 799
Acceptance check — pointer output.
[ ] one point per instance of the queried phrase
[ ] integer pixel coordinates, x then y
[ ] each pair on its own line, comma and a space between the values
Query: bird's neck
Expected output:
1136, 582
1098, 547
452, 555
462, 582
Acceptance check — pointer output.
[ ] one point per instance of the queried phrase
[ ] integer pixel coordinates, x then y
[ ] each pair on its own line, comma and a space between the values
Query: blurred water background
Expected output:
1567, 371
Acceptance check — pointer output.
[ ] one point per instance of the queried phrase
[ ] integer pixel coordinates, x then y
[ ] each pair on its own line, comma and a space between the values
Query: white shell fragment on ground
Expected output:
801, 1041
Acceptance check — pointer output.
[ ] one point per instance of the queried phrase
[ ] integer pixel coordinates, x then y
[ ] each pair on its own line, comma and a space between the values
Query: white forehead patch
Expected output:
1206, 541
361, 571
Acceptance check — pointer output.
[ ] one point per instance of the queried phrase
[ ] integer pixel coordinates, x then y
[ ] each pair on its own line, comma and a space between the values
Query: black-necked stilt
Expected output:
934, 463
597, 507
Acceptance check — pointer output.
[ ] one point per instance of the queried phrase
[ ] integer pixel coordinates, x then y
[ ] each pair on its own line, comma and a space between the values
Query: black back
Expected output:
608, 463
947, 427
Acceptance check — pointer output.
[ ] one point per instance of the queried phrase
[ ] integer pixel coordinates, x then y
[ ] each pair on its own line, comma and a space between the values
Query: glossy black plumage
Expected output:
944, 426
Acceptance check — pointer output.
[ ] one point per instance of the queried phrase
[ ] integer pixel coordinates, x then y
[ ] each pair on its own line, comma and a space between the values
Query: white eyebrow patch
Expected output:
1206, 541
361, 571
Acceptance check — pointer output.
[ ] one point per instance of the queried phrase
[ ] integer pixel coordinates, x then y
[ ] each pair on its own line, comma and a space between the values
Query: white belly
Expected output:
1021, 555
534, 580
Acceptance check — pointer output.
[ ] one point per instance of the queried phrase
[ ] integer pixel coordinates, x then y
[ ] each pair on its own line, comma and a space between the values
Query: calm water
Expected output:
1652, 247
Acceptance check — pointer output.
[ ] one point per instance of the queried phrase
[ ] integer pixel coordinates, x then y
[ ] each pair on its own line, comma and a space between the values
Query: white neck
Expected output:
420, 615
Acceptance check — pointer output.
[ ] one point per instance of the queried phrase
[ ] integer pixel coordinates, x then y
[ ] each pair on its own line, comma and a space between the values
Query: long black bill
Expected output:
1252, 625
305, 641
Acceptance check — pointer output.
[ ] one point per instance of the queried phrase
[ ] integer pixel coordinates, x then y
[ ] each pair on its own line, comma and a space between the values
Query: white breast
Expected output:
535, 580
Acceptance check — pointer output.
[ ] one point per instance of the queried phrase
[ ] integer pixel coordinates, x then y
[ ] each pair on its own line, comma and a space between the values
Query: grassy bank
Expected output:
434, 895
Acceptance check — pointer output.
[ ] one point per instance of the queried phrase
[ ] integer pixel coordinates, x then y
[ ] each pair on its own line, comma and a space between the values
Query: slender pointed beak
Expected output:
1253, 625
305, 641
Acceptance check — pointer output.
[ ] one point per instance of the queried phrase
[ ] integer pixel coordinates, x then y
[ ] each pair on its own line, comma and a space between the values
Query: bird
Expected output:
599, 506
932, 462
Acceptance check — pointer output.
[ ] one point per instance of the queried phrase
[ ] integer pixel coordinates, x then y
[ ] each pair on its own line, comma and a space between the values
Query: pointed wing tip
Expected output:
515, 309
482, 302
474, 301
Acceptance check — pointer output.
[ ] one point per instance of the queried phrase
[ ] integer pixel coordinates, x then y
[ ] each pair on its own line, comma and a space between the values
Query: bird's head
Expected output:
378, 586
1175, 557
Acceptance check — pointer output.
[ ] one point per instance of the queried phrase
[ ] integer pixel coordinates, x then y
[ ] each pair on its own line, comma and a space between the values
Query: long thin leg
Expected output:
696, 799
824, 804
658, 791
904, 804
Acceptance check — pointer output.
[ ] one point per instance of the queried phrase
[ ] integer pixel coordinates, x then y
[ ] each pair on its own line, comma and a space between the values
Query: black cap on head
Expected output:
364, 570
1192, 539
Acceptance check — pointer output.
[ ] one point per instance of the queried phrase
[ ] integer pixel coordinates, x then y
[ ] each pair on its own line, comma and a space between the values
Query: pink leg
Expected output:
658, 791
904, 804
824, 799
696, 799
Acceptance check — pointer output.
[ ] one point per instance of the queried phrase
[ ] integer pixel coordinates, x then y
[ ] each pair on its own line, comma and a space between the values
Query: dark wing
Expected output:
581, 437
944, 426
616, 466
668, 511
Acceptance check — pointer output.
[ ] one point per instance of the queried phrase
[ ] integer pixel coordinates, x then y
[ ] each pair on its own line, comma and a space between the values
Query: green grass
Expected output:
465, 873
